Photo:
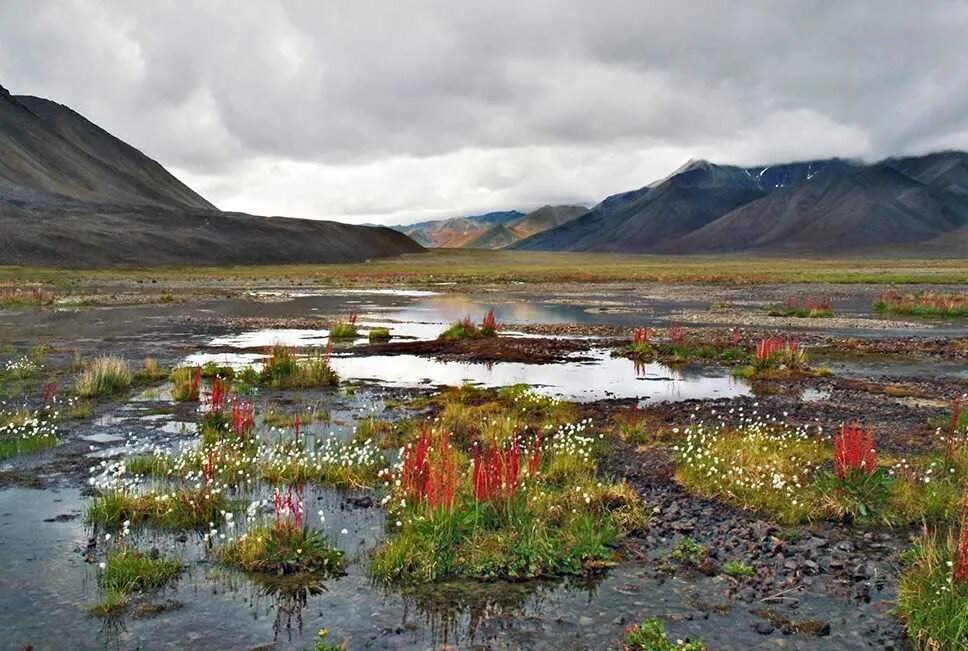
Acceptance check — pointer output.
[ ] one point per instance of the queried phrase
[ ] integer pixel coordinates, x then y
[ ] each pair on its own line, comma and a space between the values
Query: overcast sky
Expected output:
397, 111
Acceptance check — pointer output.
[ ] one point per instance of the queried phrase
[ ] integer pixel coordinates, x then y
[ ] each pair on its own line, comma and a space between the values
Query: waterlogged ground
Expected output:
843, 580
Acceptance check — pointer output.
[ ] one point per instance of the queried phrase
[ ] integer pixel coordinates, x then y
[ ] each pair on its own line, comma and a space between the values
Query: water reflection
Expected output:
458, 613
602, 376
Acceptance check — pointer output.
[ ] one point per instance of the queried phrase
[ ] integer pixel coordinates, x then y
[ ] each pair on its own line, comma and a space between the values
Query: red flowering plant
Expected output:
489, 324
961, 564
641, 346
776, 352
288, 545
518, 504
858, 487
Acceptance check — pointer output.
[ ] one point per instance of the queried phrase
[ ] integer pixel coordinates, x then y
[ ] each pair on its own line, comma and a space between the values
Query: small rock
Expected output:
764, 628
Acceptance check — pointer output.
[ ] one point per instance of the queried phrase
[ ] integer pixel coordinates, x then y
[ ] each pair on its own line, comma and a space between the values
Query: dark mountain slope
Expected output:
653, 217
946, 170
46, 149
86, 235
873, 206
72, 194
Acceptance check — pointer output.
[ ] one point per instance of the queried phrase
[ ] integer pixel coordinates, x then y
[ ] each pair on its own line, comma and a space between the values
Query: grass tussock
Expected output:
128, 571
177, 510
650, 635
377, 335
932, 604
105, 376
344, 330
460, 330
510, 512
284, 370
926, 304
785, 472
282, 548
185, 384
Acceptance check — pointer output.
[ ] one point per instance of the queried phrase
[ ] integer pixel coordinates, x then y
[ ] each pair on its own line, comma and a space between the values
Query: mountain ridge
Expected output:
72, 194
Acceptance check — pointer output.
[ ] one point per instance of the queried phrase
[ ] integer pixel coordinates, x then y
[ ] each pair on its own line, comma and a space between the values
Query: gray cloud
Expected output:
383, 111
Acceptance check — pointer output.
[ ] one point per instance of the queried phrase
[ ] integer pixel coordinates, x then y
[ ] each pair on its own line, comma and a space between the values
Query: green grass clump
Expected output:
178, 510
558, 520
932, 605
784, 472
12, 446
379, 334
737, 569
927, 304
650, 635
128, 571
282, 548
105, 376
183, 387
284, 370
151, 371
351, 464
385, 434
344, 330
460, 330
758, 467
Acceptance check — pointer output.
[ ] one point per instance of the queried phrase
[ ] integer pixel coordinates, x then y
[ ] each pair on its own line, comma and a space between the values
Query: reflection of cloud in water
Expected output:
604, 377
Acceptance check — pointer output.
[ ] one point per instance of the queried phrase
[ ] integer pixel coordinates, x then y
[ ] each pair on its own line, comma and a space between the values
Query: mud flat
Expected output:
736, 574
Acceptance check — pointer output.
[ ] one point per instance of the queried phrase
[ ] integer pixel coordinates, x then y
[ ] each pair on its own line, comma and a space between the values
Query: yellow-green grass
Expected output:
151, 371
105, 376
379, 334
177, 509
283, 369
182, 389
933, 607
455, 265
787, 474
353, 464
650, 635
12, 446
460, 330
343, 330
128, 571
282, 548
561, 521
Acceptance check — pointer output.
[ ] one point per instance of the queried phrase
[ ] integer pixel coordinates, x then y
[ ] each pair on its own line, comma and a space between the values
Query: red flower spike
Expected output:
961, 566
854, 450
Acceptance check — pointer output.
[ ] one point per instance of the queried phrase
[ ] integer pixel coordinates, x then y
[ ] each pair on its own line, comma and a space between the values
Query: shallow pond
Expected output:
46, 587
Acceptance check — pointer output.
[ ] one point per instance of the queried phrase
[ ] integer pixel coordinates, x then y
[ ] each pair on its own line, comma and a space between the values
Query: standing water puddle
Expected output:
44, 538
596, 376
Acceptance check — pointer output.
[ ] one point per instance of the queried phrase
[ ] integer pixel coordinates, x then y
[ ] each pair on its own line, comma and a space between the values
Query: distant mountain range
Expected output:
71, 194
914, 204
910, 205
493, 230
